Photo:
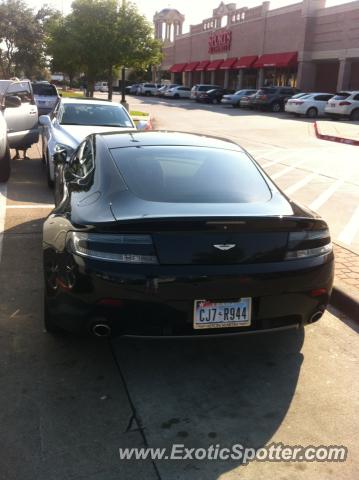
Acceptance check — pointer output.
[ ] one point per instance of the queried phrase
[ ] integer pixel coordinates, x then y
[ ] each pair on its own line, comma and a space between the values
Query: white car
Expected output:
147, 88
72, 120
178, 92
161, 91
101, 87
344, 104
311, 105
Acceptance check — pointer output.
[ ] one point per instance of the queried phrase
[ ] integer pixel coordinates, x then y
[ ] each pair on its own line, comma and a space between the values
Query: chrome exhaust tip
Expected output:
316, 316
101, 330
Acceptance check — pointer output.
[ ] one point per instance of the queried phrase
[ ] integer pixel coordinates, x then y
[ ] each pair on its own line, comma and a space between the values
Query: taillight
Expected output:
344, 104
133, 249
309, 243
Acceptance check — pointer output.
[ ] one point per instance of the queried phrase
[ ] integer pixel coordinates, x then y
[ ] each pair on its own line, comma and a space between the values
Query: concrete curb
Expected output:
332, 138
345, 302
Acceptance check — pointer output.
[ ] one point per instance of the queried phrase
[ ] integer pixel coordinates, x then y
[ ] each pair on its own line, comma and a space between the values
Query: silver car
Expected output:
72, 120
235, 98
18, 121
46, 97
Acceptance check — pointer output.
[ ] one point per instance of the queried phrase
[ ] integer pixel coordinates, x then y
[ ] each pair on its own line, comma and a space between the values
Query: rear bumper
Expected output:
160, 301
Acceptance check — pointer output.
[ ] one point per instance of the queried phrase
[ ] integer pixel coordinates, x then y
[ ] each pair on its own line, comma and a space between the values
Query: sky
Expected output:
194, 10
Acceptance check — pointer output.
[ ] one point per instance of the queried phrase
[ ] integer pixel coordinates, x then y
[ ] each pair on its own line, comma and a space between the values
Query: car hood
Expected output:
72, 135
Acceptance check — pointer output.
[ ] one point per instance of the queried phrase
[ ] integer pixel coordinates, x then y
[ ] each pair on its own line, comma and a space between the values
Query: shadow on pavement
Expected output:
204, 392
64, 408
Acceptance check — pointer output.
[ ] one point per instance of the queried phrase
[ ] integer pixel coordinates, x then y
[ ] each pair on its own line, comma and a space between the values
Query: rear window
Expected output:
44, 90
191, 175
341, 96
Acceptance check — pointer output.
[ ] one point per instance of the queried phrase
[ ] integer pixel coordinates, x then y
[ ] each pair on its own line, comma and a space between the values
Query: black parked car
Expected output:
163, 233
212, 96
273, 98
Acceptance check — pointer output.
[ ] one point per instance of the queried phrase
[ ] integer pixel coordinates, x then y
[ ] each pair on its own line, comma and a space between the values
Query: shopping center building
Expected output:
307, 45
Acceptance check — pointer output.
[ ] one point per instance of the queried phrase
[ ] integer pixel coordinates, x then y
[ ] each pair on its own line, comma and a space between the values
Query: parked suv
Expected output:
273, 98
344, 104
147, 88
200, 88
18, 121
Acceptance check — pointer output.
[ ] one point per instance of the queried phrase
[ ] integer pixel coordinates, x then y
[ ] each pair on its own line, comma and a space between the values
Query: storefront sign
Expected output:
220, 41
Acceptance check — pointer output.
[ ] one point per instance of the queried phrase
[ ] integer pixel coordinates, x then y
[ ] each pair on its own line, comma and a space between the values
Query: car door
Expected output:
22, 122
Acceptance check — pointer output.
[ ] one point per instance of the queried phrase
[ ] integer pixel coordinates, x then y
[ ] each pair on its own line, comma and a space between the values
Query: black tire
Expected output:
148, 94
276, 107
50, 182
5, 166
312, 112
176, 96
354, 116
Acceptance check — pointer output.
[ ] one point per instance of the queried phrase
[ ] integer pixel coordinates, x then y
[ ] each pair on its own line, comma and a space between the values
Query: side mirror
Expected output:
142, 125
60, 156
45, 120
12, 101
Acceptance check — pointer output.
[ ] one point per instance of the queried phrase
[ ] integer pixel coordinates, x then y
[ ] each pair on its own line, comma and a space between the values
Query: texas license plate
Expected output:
209, 314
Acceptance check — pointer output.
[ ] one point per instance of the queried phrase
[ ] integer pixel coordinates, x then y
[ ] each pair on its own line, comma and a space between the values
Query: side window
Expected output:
356, 97
22, 90
322, 98
83, 162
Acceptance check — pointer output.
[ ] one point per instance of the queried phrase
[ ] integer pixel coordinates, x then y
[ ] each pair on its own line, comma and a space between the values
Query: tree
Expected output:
22, 35
100, 36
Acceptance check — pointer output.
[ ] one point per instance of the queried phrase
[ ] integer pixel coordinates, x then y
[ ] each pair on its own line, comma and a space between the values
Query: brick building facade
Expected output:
305, 45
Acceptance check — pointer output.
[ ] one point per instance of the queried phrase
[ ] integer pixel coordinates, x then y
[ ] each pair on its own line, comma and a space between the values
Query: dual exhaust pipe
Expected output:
101, 329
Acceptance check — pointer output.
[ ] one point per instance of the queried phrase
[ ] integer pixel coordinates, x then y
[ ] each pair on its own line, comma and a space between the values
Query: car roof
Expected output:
91, 101
165, 138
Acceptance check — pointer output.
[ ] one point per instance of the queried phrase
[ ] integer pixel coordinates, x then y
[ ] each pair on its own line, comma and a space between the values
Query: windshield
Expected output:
183, 174
97, 115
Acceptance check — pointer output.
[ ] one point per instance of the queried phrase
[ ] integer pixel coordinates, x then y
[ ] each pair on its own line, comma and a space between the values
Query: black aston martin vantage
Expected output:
165, 233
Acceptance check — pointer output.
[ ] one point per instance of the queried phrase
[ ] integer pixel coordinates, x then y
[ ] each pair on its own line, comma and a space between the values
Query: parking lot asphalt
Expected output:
68, 404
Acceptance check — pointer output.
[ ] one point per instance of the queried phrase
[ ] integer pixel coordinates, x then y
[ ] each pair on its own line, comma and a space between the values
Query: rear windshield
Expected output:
44, 90
191, 175
341, 96
95, 115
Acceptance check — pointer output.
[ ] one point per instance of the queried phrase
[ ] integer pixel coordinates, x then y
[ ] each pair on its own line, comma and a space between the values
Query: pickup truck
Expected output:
18, 121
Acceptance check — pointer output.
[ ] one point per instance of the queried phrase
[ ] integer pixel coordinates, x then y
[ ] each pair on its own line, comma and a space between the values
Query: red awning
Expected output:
245, 62
279, 60
190, 66
178, 67
202, 66
228, 64
214, 65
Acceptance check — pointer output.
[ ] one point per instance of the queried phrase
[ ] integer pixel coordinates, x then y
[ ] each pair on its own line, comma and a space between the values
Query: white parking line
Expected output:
325, 196
287, 169
2, 213
302, 183
351, 229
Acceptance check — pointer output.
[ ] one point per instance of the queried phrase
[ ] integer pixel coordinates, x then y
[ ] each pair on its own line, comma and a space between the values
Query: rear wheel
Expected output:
5, 166
312, 112
276, 107
148, 94
355, 115
176, 95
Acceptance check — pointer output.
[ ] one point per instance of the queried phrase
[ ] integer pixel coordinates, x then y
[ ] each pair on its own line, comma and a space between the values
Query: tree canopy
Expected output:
22, 38
99, 36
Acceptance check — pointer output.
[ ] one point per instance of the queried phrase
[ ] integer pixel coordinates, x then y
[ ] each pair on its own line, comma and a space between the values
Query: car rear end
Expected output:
46, 97
340, 105
264, 97
229, 99
198, 263
299, 106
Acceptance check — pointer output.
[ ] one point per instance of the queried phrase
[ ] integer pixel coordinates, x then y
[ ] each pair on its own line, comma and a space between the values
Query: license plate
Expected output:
209, 314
